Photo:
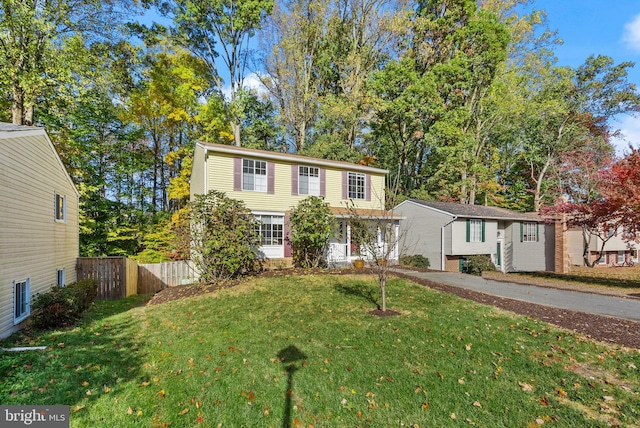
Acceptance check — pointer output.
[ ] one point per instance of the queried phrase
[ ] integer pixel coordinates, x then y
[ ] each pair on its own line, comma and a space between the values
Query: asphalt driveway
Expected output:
598, 304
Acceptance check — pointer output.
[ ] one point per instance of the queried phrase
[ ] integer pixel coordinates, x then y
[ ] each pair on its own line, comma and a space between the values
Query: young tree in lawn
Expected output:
378, 237
311, 227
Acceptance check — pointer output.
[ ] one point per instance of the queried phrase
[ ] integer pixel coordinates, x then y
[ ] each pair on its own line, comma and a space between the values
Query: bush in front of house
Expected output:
311, 227
63, 305
224, 237
415, 260
478, 264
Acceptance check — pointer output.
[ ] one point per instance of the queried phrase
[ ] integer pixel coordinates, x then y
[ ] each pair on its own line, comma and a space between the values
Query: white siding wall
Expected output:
460, 246
32, 244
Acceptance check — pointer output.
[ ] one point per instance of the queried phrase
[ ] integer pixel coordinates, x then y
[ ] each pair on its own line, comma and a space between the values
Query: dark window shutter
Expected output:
294, 179
345, 185
270, 178
237, 174
367, 187
521, 232
537, 232
468, 230
288, 252
482, 230
323, 182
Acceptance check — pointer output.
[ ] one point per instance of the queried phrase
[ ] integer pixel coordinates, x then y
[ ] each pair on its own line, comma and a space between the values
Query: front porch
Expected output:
343, 249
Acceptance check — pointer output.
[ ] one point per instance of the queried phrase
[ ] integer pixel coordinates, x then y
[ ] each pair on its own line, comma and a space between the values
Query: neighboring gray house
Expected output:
448, 232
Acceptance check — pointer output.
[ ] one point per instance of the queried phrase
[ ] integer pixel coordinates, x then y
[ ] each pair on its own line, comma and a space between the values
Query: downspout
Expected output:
455, 217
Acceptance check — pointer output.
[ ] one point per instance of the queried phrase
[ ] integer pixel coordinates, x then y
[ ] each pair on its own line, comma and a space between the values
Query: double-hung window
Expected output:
254, 175
271, 229
21, 300
356, 185
529, 232
475, 230
60, 207
308, 180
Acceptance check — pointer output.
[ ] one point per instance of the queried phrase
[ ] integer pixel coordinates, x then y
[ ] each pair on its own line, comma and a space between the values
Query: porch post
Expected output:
348, 241
396, 231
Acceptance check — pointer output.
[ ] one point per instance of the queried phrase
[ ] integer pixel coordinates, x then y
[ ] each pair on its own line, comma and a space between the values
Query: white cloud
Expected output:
630, 134
251, 82
631, 34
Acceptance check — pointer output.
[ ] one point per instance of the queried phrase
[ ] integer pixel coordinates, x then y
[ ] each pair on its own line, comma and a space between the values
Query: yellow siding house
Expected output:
271, 183
39, 241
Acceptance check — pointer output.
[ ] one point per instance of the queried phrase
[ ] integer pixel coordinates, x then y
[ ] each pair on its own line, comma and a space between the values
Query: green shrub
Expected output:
478, 264
311, 227
224, 237
415, 260
63, 305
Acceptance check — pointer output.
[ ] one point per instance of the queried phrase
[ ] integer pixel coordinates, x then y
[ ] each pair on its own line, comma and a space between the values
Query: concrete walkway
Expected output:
599, 304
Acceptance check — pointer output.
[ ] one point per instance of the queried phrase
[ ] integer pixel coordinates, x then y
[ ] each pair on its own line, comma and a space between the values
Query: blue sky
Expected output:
608, 27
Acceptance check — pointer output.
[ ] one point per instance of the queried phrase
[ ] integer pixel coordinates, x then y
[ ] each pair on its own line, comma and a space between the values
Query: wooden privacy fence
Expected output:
117, 276
120, 277
154, 277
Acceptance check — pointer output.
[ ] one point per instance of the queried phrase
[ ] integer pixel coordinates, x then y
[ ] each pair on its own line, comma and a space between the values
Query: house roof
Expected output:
478, 211
9, 127
279, 156
365, 213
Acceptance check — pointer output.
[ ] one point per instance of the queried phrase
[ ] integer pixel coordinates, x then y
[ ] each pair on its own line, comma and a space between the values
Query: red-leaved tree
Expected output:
589, 201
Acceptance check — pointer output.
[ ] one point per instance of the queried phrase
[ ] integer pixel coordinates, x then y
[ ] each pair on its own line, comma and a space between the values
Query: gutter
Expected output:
455, 217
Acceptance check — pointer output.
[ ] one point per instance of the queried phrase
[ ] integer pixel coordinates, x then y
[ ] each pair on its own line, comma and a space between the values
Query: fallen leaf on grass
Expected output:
77, 408
184, 411
143, 384
160, 393
561, 392
477, 404
129, 411
525, 387
544, 401
607, 398
424, 406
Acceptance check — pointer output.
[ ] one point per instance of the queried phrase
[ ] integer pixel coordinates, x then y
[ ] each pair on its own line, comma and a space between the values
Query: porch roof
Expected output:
342, 212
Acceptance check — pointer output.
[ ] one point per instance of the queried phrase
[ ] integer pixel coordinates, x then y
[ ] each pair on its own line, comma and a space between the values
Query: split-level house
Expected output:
447, 233
39, 241
272, 183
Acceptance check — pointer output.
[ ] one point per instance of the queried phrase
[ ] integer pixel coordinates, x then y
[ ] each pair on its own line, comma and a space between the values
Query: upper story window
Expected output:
21, 300
356, 185
475, 230
529, 232
60, 207
254, 175
308, 181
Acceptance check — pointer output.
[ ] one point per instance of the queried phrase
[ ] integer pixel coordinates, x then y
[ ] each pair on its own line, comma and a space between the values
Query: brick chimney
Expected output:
561, 248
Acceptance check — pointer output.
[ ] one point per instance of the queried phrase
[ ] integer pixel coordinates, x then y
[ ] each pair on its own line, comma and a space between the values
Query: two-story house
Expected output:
272, 183
39, 241
447, 233
620, 248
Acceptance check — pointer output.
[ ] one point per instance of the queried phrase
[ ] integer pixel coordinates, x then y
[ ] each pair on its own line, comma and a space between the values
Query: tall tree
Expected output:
32, 39
220, 28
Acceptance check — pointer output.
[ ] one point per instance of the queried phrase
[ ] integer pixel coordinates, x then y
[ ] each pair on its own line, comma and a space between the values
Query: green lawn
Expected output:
303, 351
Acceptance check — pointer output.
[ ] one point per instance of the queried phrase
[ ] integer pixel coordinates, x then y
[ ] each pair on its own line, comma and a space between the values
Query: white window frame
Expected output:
475, 230
254, 175
59, 207
23, 299
620, 258
356, 183
61, 277
271, 229
308, 180
529, 232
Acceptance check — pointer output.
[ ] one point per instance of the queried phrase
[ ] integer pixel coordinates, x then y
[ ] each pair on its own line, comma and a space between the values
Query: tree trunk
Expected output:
235, 127
383, 294
17, 105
